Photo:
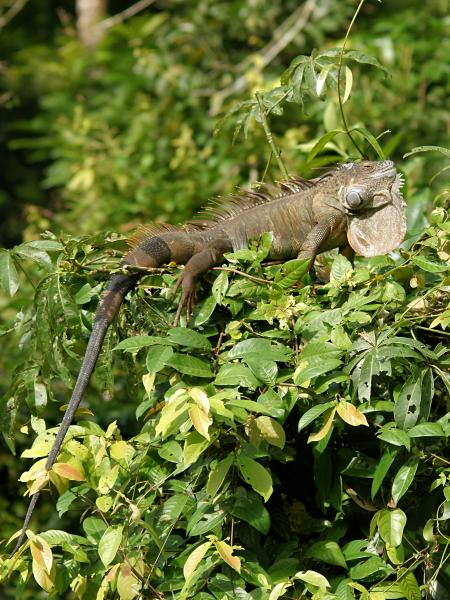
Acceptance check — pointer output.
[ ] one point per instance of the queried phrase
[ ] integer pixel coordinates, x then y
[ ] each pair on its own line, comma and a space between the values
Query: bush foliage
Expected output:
290, 439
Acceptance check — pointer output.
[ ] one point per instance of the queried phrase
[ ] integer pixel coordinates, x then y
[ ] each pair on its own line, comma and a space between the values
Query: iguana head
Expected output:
369, 192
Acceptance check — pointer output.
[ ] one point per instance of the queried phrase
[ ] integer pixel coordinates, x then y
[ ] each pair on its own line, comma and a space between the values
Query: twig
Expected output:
12, 12
125, 14
282, 36
257, 279
269, 137
339, 79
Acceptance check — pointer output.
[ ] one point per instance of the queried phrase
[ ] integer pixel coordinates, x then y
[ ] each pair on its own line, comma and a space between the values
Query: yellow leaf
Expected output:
35, 471
39, 483
99, 452
149, 382
226, 553
253, 433
350, 414
61, 483
43, 565
78, 586
171, 411
200, 420
104, 503
200, 398
41, 552
111, 429
194, 558
121, 450
112, 573
271, 431
329, 416
68, 471
108, 479
41, 446
348, 84
128, 585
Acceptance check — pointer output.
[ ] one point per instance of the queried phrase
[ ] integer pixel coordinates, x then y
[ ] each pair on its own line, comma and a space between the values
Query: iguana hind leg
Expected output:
198, 264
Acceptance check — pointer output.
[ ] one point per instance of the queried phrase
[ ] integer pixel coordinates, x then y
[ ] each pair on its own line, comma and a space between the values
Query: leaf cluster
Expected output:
292, 438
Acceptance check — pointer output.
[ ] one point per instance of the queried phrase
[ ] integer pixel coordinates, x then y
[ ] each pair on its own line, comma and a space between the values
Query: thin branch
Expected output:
339, 79
125, 14
282, 36
269, 137
12, 12
252, 277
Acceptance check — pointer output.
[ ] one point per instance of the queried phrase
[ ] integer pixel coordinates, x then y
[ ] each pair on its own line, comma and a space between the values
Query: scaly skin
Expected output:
356, 207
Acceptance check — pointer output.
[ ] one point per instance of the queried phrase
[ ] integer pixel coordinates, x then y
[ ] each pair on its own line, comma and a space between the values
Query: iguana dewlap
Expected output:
356, 207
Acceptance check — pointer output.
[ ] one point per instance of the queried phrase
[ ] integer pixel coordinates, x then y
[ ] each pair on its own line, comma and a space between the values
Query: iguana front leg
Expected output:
328, 233
198, 264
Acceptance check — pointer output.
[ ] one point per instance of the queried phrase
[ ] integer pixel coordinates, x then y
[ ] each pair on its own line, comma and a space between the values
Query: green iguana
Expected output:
355, 207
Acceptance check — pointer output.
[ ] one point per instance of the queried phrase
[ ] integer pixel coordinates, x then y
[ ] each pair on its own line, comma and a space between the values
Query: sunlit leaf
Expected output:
226, 554
328, 423
350, 414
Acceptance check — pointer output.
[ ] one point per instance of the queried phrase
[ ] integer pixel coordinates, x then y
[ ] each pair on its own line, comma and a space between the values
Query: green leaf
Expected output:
427, 430
86, 293
397, 437
158, 357
260, 348
391, 524
218, 474
205, 310
407, 583
370, 569
65, 502
430, 266
407, 405
236, 374
194, 445
257, 476
206, 522
328, 552
190, 365
135, 343
369, 368
321, 143
444, 151
404, 478
249, 507
372, 141
171, 451
183, 336
220, 287
291, 272
306, 372
312, 414
264, 370
94, 528
313, 578
109, 544
9, 278
173, 508
250, 405
40, 257
341, 270
362, 58
382, 469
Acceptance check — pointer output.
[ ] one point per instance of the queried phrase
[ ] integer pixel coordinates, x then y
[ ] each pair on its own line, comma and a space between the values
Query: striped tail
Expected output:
115, 292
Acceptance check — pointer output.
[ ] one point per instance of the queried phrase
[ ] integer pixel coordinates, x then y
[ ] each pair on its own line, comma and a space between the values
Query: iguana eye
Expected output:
353, 199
